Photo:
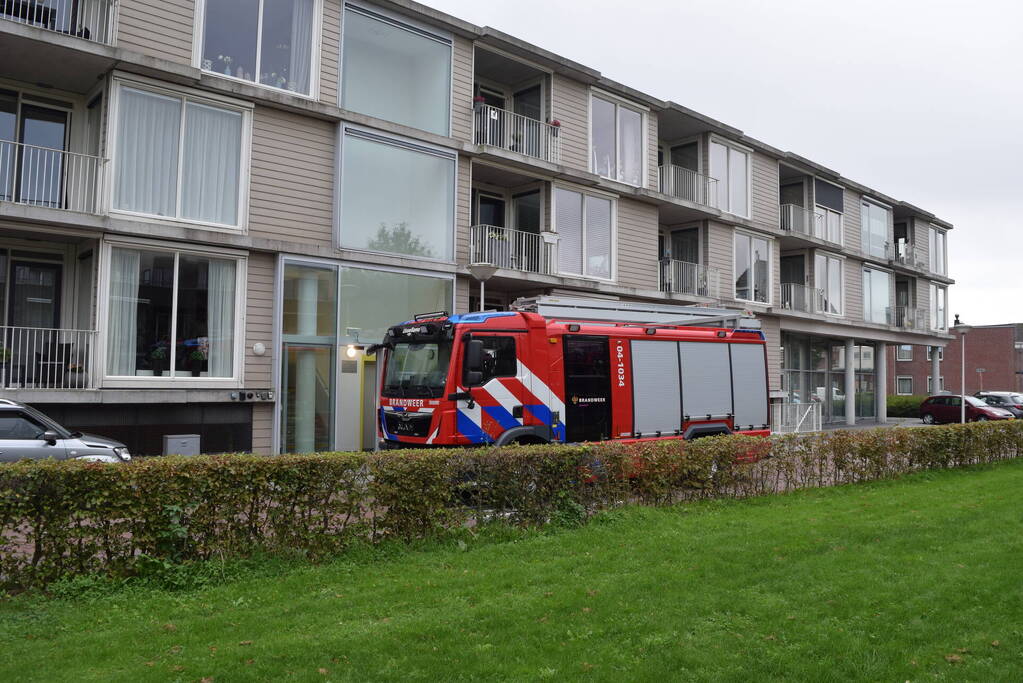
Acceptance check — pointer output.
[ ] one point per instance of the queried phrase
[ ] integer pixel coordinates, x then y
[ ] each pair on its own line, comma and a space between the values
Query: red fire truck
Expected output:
523, 377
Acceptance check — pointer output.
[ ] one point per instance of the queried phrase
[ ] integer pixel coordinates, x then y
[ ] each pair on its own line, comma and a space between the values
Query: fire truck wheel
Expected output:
531, 434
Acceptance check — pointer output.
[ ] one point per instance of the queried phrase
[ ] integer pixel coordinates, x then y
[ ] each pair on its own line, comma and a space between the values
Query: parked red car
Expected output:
947, 408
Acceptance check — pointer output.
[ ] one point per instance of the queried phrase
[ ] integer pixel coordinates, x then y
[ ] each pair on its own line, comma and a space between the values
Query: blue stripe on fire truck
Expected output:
470, 430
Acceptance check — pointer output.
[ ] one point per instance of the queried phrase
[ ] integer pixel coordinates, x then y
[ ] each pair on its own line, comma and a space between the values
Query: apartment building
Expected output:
209, 209
994, 362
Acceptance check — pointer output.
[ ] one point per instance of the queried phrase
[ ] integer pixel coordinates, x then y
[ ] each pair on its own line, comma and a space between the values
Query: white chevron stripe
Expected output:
502, 395
542, 392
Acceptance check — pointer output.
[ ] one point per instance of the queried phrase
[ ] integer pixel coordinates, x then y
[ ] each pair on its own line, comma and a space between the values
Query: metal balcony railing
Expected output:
694, 279
800, 297
907, 255
909, 318
529, 252
788, 418
683, 183
88, 19
46, 358
40, 176
803, 221
516, 133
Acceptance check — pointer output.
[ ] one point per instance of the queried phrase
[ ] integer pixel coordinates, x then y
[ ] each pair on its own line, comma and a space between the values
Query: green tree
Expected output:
399, 240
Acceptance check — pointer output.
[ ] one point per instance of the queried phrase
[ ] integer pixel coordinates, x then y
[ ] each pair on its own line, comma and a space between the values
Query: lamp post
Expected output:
482, 272
962, 330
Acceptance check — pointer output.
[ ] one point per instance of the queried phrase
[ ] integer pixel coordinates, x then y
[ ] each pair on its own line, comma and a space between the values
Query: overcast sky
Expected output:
922, 100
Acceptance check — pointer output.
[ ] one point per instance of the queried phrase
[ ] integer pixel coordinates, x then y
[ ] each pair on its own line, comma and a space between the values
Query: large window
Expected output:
171, 314
874, 228
829, 201
877, 286
269, 42
616, 141
828, 279
396, 198
178, 157
752, 268
373, 300
939, 318
904, 386
395, 72
936, 242
584, 224
905, 352
730, 166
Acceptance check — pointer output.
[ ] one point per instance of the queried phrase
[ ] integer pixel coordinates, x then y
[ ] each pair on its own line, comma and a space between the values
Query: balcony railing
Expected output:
40, 176
689, 185
516, 133
909, 318
88, 19
512, 249
798, 219
787, 418
46, 358
798, 297
694, 279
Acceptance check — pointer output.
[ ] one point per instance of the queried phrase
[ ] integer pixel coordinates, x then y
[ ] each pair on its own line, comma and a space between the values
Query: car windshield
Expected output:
417, 370
975, 402
1016, 398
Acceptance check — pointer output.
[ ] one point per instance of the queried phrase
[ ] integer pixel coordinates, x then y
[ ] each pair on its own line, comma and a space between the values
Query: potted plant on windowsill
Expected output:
76, 377
158, 360
196, 360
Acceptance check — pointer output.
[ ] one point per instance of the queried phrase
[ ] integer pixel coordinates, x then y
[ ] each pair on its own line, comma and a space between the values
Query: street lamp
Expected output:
482, 272
962, 330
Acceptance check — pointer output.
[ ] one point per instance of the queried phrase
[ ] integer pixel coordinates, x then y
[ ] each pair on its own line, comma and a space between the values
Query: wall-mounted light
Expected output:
352, 351
259, 348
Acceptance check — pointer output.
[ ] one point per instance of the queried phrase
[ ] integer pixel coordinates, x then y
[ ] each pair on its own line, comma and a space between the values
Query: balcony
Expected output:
516, 133
909, 318
528, 252
802, 298
53, 178
802, 221
46, 358
88, 19
692, 279
905, 254
691, 186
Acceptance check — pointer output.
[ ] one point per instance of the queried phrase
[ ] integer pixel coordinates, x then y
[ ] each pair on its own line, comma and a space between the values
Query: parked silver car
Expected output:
25, 433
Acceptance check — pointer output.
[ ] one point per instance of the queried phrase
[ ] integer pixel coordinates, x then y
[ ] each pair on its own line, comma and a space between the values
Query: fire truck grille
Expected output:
407, 424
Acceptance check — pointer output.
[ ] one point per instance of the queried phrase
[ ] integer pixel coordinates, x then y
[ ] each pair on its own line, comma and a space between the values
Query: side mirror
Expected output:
473, 362
50, 437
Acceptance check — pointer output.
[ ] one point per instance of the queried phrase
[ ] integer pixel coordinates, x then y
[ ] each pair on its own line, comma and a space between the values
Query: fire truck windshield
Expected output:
417, 370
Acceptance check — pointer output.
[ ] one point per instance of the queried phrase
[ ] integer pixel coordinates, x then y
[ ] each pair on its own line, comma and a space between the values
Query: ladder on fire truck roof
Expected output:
579, 308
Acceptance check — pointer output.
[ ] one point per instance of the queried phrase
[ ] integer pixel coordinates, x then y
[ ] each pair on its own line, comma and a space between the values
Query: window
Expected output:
730, 167
396, 198
269, 42
830, 205
584, 225
941, 353
874, 226
752, 259
373, 300
498, 357
941, 383
178, 157
876, 295
936, 242
395, 72
171, 314
904, 386
905, 352
828, 280
616, 141
18, 427
939, 319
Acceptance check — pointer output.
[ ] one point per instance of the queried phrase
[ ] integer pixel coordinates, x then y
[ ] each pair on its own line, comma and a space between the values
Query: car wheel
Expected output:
928, 419
981, 419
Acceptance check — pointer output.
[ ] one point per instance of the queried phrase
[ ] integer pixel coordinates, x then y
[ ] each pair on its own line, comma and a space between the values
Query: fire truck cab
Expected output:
525, 377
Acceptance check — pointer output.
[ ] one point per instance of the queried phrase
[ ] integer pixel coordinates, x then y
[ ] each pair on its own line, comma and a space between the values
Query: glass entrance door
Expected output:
307, 398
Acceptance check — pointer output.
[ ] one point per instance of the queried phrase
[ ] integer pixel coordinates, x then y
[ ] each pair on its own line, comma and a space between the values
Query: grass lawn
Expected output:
910, 580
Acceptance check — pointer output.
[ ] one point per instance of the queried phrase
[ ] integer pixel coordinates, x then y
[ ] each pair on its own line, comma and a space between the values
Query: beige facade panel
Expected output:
719, 255
259, 305
637, 244
462, 286
158, 28
262, 428
292, 181
921, 233
852, 234
764, 191
330, 52
852, 272
461, 89
571, 106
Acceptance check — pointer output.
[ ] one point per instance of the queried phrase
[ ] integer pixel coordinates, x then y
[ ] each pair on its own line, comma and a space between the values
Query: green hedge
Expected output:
67, 518
904, 406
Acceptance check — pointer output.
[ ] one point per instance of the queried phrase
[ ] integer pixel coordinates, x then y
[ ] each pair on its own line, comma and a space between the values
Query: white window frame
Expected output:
619, 103
932, 306
840, 261
900, 378
770, 268
825, 212
185, 95
888, 226
199, 33
930, 389
402, 143
898, 350
614, 229
891, 292
240, 258
935, 234
749, 174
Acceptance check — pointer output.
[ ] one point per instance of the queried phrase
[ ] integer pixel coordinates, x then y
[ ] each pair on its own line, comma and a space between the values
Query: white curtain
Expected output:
569, 222
220, 318
148, 129
598, 237
301, 44
122, 327
209, 187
